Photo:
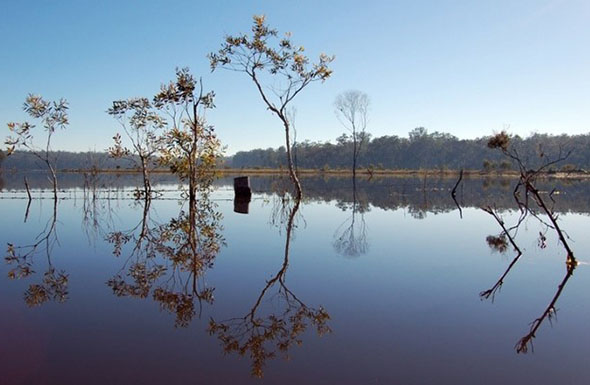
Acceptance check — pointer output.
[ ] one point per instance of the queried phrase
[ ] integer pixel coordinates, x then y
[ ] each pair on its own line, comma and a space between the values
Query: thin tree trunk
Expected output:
54, 181
294, 178
354, 154
146, 179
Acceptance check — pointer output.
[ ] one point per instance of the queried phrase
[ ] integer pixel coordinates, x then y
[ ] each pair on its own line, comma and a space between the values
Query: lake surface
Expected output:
379, 286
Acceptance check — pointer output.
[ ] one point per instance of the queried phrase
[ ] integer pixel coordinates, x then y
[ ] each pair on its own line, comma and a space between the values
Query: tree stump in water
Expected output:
243, 193
242, 186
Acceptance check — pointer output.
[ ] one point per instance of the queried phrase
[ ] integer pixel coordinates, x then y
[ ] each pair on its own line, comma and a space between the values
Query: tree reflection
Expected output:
500, 244
169, 260
350, 238
531, 202
262, 336
54, 284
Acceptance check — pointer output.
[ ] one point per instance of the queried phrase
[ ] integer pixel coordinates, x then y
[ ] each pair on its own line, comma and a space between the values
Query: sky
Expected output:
467, 68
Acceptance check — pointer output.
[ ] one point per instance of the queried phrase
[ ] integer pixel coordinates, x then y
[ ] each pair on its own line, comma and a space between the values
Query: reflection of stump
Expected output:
241, 204
242, 187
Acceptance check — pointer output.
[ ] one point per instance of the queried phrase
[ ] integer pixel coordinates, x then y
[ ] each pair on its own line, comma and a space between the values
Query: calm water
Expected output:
382, 286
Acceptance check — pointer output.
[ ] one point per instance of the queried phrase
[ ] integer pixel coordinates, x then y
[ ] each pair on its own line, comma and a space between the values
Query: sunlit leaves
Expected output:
263, 50
52, 115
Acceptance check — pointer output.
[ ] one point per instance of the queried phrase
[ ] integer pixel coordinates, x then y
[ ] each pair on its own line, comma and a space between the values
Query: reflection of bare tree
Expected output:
530, 202
262, 337
550, 311
54, 285
169, 260
96, 206
350, 238
499, 243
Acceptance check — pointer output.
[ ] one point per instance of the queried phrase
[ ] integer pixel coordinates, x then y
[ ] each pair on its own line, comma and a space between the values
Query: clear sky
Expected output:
463, 67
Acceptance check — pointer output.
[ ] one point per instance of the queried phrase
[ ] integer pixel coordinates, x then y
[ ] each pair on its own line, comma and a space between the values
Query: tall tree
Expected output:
352, 109
278, 68
53, 115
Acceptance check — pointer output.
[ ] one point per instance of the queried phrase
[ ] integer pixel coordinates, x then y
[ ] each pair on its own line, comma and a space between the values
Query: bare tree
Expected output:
530, 202
278, 68
53, 115
352, 109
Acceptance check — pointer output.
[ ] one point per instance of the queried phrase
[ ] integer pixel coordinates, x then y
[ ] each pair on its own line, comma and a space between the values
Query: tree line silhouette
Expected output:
421, 150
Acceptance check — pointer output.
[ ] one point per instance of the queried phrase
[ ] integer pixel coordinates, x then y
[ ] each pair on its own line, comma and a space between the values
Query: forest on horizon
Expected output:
420, 150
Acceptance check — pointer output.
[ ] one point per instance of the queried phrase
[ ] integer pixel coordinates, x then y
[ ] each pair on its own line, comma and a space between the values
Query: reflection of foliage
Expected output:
54, 285
169, 260
497, 243
262, 337
500, 244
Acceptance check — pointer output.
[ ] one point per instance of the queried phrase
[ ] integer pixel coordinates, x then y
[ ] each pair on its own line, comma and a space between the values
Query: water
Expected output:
377, 287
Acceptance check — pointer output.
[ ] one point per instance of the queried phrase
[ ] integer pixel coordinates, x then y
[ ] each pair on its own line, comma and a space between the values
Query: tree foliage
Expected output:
190, 147
141, 124
53, 116
278, 68
170, 130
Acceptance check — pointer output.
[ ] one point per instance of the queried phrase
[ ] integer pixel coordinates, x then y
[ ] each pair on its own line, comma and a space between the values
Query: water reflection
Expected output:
22, 258
350, 238
162, 258
540, 205
170, 260
262, 333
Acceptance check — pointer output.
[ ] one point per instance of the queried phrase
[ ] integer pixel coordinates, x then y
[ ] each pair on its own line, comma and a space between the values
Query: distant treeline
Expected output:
26, 161
422, 150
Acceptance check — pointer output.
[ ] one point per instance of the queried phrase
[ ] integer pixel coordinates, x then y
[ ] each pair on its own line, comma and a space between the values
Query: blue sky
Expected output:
463, 67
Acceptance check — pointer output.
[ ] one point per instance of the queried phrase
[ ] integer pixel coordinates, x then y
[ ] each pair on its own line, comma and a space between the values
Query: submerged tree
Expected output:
352, 108
531, 202
53, 115
169, 260
278, 68
190, 146
141, 124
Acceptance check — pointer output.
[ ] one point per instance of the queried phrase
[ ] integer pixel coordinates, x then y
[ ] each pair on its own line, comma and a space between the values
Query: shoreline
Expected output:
344, 173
